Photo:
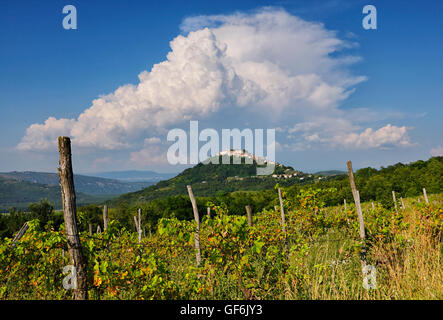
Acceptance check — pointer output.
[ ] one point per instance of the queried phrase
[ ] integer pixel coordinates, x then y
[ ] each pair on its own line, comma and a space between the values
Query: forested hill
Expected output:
19, 189
20, 194
85, 184
215, 179
212, 180
407, 180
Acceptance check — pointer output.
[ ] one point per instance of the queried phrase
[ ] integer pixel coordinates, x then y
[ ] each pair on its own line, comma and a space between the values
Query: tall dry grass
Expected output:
408, 268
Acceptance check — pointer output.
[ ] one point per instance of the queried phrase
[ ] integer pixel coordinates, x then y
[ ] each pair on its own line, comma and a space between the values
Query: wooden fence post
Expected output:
282, 211
425, 195
283, 222
395, 200
70, 216
402, 203
344, 200
140, 225
208, 209
249, 213
356, 196
20, 234
105, 217
197, 231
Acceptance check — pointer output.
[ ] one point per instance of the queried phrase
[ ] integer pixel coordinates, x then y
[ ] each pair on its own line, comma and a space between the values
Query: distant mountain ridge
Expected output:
134, 175
328, 173
84, 184
19, 194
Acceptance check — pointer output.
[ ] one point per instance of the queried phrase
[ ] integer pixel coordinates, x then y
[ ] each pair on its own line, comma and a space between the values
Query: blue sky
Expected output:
49, 72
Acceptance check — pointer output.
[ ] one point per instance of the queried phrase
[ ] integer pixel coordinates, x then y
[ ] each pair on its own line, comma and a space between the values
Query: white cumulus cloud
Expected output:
437, 151
387, 136
44, 136
268, 60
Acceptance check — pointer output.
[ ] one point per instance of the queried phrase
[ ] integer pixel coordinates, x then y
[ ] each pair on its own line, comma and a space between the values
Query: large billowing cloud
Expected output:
437, 151
264, 63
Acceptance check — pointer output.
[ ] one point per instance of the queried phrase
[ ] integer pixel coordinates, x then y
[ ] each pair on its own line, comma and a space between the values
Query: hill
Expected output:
217, 179
84, 184
331, 173
134, 176
19, 194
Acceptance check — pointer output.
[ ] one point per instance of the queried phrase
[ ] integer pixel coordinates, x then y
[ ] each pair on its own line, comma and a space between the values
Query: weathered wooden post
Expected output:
283, 222
90, 229
282, 211
137, 222
356, 196
105, 217
140, 225
197, 231
344, 200
402, 203
425, 195
395, 200
20, 234
99, 230
70, 216
249, 214
208, 209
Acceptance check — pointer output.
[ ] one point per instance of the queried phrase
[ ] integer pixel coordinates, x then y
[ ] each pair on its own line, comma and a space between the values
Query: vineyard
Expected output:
314, 254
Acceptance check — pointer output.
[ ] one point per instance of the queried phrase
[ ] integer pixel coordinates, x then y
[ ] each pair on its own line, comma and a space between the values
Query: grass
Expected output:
408, 269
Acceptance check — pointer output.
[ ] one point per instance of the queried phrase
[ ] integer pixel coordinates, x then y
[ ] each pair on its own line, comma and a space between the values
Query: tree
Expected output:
42, 211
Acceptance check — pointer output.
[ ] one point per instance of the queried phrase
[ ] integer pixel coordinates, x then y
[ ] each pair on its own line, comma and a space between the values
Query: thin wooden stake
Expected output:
282, 211
136, 224
249, 214
344, 200
356, 196
208, 209
425, 195
139, 225
138, 228
70, 216
105, 217
283, 222
197, 231
373, 207
20, 234
395, 200
402, 203
90, 230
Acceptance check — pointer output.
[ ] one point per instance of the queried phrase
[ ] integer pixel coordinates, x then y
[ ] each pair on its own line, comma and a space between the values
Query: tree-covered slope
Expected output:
215, 179
84, 184
19, 194
407, 180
